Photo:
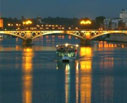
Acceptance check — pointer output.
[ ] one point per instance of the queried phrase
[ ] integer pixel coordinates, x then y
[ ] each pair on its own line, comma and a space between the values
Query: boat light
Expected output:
66, 44
77, 45
56, 45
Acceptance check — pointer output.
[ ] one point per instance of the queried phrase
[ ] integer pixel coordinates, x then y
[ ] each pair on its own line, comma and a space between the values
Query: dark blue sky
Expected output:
62, 8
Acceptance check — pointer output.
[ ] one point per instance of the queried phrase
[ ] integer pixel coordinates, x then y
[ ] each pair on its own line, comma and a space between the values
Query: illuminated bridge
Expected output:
81, 34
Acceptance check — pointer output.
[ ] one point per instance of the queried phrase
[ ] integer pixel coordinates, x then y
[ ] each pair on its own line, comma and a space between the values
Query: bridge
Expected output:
81, 34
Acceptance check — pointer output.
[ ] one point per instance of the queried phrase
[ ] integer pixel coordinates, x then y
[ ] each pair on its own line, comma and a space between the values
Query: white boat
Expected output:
67, 52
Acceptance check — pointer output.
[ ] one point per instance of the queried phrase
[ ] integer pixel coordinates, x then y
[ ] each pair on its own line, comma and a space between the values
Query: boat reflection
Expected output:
79, 74
67, 83
27, 74
77, 80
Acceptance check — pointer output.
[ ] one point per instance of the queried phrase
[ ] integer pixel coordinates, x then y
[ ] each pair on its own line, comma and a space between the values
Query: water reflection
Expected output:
67, 83
77, 82
78, 79
27, 74
103, 76
107, 63
85, 76
98, 77
103, 44
82, 78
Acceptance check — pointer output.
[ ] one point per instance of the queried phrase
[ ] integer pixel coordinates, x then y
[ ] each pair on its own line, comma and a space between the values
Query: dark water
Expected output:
33, 75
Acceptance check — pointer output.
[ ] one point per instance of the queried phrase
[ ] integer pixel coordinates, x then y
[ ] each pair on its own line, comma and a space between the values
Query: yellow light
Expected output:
38, 25
87, 35
62, 27
85, 22
17, 24
66, 44
27, 75
9, 24
86, 70
69, 28
28, 22
86, 51
76, 28
56, 45
77, 45
24, 23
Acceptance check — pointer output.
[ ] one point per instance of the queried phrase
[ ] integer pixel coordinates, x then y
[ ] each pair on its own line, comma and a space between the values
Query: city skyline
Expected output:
65, 8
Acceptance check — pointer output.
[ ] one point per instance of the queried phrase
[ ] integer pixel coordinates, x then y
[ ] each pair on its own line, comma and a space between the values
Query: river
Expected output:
33, 74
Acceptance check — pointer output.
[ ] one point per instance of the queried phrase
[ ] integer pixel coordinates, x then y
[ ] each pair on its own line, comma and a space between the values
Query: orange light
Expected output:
87, 35
27, 75
86, 78
1, 23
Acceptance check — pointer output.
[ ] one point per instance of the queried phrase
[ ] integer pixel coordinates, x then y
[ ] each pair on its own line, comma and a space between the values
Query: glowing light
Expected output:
1, 23
69, 28
66, 44
77, 45
9, 24
85, 22
67, 83
27, 22
56, 45
76, 28
27, 75
86, 78
28, 54
17, 24
88, 35
86, 51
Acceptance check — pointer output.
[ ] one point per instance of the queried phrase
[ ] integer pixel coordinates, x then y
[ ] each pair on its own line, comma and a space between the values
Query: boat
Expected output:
66, 52
1, 37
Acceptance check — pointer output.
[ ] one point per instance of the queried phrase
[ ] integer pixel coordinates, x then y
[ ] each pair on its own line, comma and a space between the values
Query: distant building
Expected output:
123, 14
111, 23
39, 20
107, 23
117, 23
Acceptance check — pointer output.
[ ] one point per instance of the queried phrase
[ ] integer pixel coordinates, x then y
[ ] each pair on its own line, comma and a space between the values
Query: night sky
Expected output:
62, 8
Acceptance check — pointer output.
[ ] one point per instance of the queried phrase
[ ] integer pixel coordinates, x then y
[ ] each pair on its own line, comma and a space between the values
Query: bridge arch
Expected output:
14, 34
44, 34
106, 33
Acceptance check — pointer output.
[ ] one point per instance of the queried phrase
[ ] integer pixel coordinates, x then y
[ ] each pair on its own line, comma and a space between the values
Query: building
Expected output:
123, 14
117, 23
111, 23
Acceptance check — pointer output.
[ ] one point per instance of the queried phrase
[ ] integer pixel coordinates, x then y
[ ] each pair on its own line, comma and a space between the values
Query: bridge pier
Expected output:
85, 42
27, 42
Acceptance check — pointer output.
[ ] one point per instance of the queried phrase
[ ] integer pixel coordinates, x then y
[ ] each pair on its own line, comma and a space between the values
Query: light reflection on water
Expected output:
27, 68
35, 76
85, 76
